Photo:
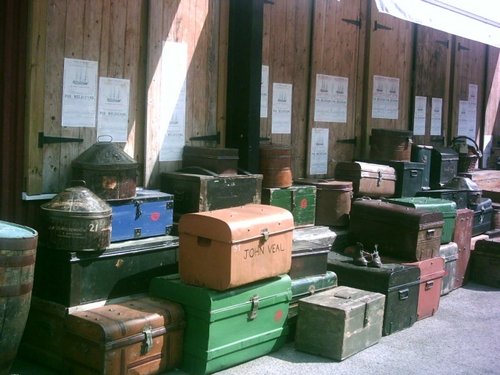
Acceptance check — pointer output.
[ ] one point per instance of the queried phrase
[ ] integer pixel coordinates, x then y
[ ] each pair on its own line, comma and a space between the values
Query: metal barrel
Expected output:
275, 166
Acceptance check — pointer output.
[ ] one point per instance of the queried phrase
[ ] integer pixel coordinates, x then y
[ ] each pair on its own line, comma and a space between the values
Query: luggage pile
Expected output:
222, 266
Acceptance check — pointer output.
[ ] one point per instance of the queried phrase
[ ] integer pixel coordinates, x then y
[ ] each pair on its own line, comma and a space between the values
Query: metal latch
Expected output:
265, 234
481, 216
138, 210
379, 177
429, 284
403, 294
252, 314
430, 233
147, 344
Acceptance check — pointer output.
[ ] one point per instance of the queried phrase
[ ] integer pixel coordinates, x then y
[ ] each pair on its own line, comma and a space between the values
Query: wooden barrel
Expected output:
275, 166
17, 264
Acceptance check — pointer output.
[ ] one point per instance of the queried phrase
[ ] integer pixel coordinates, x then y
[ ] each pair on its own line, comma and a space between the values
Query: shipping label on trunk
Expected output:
226, 248
138, 336
339, 322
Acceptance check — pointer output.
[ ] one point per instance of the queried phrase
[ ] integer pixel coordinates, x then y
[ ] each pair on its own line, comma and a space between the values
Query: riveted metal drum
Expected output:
17, 264
77, 220
107, 170
275, 166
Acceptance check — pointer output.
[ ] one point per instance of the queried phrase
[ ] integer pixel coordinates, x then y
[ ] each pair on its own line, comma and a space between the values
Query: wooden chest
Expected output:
398, 282
399, 231
229, 327
300, 200
390, 144
148, 214
485, 263
368, 179
226, 248
449, 253
138, 336
122, 269
446, 207
218, 160
333, 200
203, 190
339, 322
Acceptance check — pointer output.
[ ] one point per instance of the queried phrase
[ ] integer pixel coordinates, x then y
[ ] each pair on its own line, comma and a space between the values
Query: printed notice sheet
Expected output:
330, 103
112, 113
385, 101
319, 151
472, 93
467, 118
79, 101
436, 116
173, 98
282, 108
419, 115
264, 90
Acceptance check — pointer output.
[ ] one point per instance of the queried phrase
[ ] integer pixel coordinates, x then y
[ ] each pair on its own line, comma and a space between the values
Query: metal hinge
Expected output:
45, 139
462, 48
351, 141
356, 22
379, 26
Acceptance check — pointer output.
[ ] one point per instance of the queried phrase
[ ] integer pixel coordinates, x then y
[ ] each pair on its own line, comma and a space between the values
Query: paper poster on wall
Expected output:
264, 90
385, 101
472, 93
419, 115
173, 99
79, 101
282, 108
112, 110
319, 151
436, 115
330, 102
466, 119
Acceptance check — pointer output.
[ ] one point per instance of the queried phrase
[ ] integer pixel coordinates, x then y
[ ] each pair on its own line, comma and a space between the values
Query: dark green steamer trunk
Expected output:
444, 166
205, 190
422, 154
485, 263
399, 283
299, 200
230, 327
122, 269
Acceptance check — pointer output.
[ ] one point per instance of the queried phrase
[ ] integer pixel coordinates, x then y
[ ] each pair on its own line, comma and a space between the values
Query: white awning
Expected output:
478, 20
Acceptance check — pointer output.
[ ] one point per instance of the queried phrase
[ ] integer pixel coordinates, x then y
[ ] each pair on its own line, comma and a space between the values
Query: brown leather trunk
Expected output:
139, 336
368, 179
390, 144
403, 232
462, 237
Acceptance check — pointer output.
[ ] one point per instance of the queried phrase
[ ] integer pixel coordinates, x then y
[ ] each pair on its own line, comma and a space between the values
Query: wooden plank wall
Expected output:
196, 23
390, 54
337, 47
432, 74
109, 32
469, 68
286, 50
